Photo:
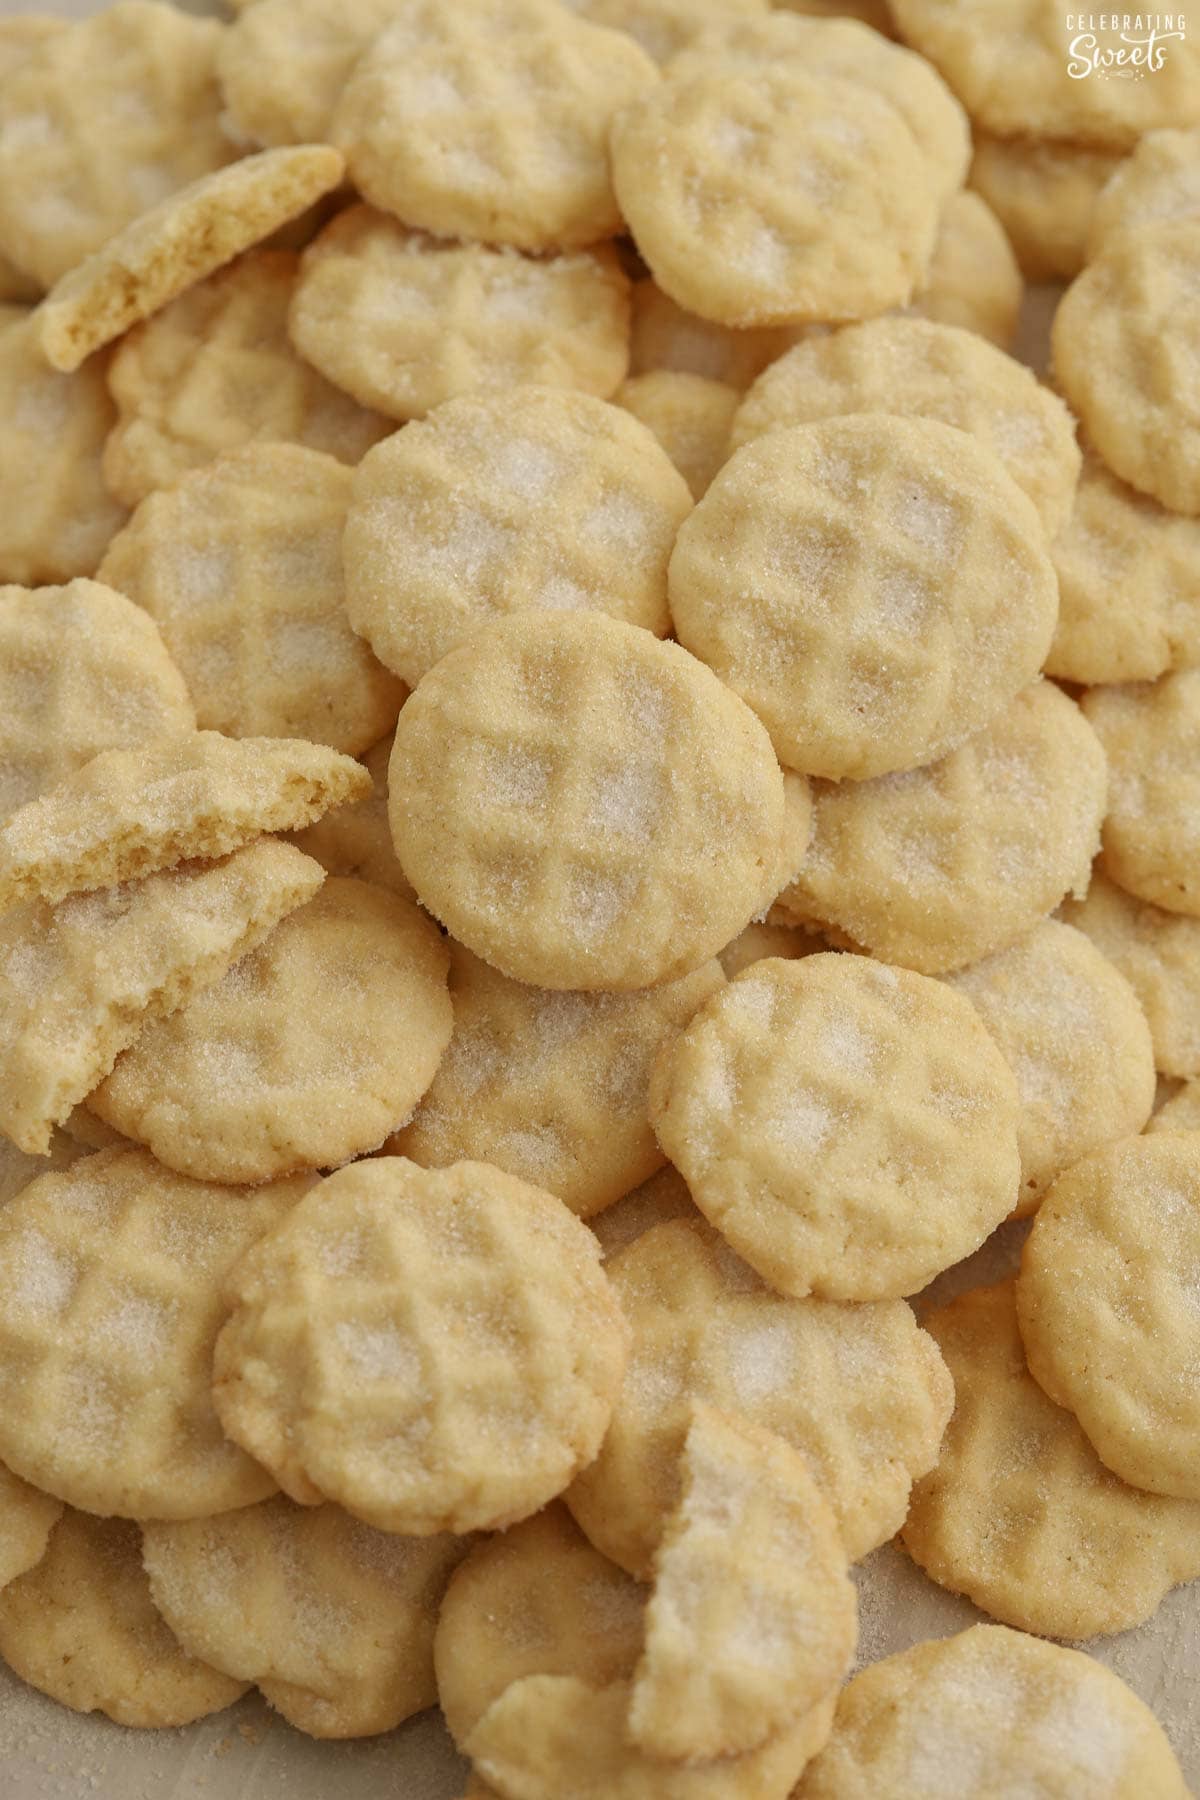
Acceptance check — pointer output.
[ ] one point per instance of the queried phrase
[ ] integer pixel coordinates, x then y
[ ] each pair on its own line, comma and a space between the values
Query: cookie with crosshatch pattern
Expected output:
973, 280
1151, 736
689, 415
1043, 191
1159, 181
1158, 953
283, 64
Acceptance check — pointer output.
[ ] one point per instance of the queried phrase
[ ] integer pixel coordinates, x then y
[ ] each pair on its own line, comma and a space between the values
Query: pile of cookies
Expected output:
594, 790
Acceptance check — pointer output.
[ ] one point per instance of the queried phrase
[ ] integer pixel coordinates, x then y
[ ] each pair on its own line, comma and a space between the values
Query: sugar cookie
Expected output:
1161, 180
937, 867
27, 1517
1020, 1513
665, 27
20, 35
240, 564
1158, 953
689, 415
582, 805
82, 1627
1044, 192
1151, 736
992, 1712
332, 1620
851, 1129
434, 1349
973, 280
657, 1201
664, 336
875, 588
356, 839
514, 98
860, 1391
403, 321
1107, 1309
78, 981
916, 368
111, 1306
283, 64
768, 938
529, 499
304, 1055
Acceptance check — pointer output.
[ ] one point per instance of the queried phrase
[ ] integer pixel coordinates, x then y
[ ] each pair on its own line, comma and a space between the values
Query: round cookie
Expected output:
859, 1391
851, 1129
1158, 953
27, 1517
550, 1086
434, 1349
304, 1055
1020, 1513
356, 839
1044, 192
404, 321
332, 1620
974, 281
656, 1202
1106, 1301
1161, 180
283, 64
240, 565
689, 415
665, 27
1072, 1031
1151, 736
769, 937
874, 588
111, 1304
514, 99
582, 805
82, 1627
1125, 338
918, 369
992, 1712
532, 499
664, 336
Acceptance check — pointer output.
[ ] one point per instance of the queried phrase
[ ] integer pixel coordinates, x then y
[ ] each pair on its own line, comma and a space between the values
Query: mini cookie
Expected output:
215, 370
129, 813
530, 499
403, 321
656, 1202
705, 169
1020, 1513
78, 981
355, 839
915, 368
178, 242
859, 1391
27, 1517
665, 27
304, 1055
1161, 180
582, 805
434, 1349
1151, 736
974, 281
1128, 585
81, 670
514, 99
334, 1621
58, 514
111, 1305
875, 588
991, 1711
82, 1628
849, 1128
689, 415
1043, 191
1107, 1309
283, 64
664, 336
937, 867
100, 122
1158, 953
1125, 334
240, 564
1181, 1112
768, 938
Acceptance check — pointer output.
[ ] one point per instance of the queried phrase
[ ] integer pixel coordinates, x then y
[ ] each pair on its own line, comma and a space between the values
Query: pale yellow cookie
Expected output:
916, 368
665, 27
82, 1627
1151, 736
768, 938
404, 321
78, 981
81, 670
1181, 1112
112, 1302
489, 119
20, 36
689, 415
850, 1128
356, 839
664, 336
582, 805
306, 1054
1106, 1301
551, 1086
178, 242
240, 565
1043, 191
332, 1620
1161, 180
876, 588
974, 281
859, 1391
657, 1201
532, 499
1159, 955
129, 813
283, 64
772, 196
1126, 337
100, 122
27, 1517
937, 867
58, 515
434, 1349
1020, 1513
992, 1713
214, 371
